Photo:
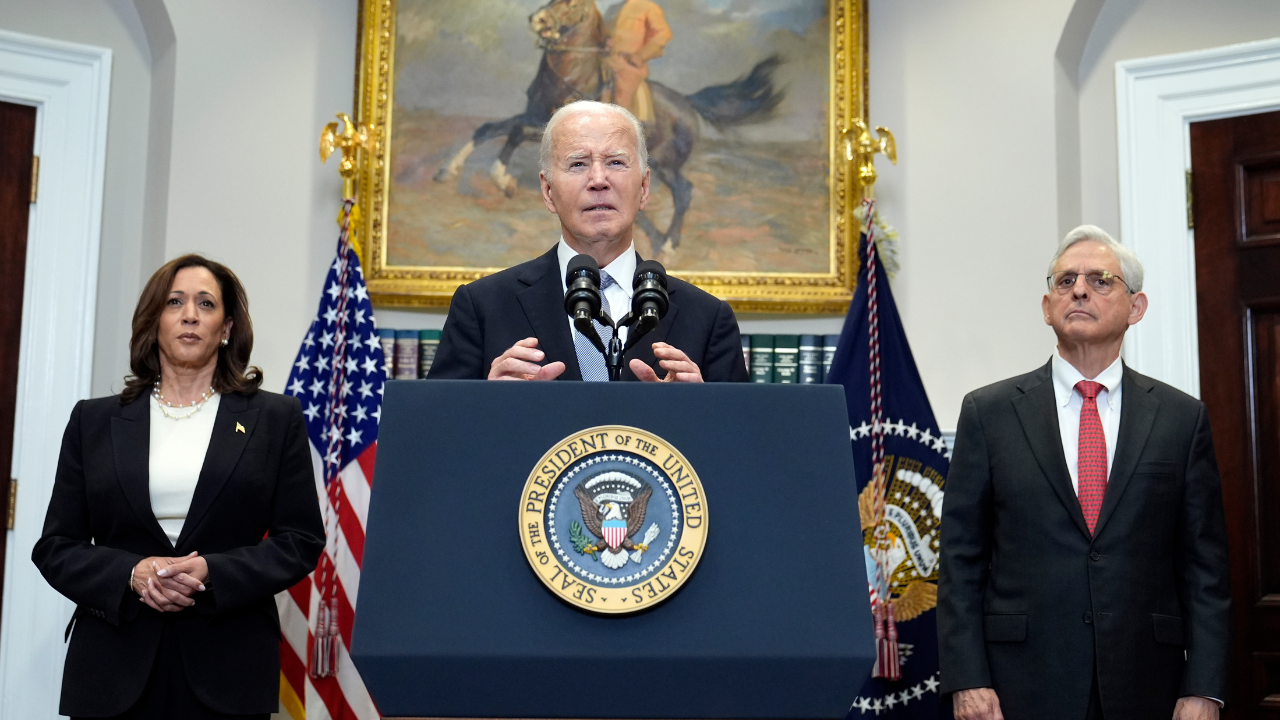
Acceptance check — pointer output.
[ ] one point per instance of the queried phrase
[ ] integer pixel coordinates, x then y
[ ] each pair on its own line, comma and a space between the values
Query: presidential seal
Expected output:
613, 519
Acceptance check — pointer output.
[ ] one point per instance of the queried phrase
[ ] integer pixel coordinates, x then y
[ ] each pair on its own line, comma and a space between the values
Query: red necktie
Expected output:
1091, 469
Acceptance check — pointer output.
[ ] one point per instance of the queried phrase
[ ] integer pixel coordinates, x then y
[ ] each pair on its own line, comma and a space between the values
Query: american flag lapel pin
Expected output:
239, 428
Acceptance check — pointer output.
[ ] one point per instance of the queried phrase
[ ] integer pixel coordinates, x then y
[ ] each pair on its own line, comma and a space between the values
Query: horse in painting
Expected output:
572, 37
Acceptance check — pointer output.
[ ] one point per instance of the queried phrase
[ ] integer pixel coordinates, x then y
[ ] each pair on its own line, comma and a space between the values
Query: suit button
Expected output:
1095, 556
1088, 618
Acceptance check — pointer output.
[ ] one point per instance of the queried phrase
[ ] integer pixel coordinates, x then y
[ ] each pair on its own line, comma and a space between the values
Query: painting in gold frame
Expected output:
768, 225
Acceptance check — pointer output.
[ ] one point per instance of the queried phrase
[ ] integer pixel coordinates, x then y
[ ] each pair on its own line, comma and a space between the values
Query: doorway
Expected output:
1235, 184
17, 143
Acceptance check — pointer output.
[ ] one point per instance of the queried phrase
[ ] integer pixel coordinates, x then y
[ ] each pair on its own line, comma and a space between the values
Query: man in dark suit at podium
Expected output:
1084, 551
512, 325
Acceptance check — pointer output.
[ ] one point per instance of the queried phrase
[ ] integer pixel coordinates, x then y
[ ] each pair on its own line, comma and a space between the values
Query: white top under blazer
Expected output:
177, 454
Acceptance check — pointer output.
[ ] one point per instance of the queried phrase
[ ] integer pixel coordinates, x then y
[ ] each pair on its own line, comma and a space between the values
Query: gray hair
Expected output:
1129, 263
581, 106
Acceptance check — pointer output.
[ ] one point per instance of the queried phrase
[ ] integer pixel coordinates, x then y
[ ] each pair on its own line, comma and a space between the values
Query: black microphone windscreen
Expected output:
650, 266
583, 262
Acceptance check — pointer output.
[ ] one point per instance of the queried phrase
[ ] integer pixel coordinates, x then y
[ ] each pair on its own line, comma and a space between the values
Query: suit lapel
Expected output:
231, 432
543, 301
131, 446
1137, 415
1038, 412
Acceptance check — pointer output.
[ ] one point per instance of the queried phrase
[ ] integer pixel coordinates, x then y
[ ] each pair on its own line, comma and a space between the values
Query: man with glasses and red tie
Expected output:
1084, 550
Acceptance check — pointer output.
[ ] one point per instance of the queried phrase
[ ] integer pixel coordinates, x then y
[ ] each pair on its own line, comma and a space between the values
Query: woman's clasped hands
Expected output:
168, 584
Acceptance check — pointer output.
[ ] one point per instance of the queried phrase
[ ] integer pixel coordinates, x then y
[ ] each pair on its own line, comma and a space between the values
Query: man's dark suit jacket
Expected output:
1028, 602
100, 524
490, 315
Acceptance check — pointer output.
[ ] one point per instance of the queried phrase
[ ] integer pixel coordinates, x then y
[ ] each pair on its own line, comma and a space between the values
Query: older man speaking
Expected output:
1084, 550
512, 325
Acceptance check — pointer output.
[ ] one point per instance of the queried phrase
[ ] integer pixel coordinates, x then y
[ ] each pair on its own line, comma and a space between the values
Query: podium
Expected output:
453, 621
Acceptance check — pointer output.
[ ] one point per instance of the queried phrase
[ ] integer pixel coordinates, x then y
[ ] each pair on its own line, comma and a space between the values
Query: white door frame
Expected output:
69, 85
1156, 101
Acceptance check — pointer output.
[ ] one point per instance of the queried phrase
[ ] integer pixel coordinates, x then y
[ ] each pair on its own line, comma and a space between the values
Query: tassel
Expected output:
324, 650
317, 669
882, 647
893, 666
888, 661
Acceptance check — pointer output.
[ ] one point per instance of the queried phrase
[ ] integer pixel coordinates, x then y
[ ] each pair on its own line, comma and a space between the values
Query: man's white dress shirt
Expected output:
622, 270
1070, 401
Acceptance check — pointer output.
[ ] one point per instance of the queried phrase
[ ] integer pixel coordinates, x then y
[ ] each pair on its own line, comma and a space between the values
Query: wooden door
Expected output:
17, 139
1236, 189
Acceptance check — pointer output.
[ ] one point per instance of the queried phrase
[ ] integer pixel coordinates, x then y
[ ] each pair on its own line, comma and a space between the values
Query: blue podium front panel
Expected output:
772, 623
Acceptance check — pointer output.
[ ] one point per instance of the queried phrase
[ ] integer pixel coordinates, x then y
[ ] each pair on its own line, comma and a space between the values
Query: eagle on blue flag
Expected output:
900, 463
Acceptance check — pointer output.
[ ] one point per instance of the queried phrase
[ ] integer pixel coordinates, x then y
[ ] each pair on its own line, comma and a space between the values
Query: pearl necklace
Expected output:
165, 404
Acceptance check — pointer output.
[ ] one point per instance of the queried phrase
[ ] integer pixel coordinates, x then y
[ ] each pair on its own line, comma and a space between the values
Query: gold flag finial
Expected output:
860, 151
346, 136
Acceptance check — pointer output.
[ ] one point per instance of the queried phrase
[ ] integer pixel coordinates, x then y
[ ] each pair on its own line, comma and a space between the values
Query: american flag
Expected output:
338, 377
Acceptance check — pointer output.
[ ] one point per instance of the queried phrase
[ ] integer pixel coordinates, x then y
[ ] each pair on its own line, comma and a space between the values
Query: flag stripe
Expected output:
355, 485
353, 689
317, 710
290, 700
352, 530
366, 466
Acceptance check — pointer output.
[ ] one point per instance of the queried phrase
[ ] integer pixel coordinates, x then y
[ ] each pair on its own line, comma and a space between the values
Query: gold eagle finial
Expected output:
346, 136
860, 151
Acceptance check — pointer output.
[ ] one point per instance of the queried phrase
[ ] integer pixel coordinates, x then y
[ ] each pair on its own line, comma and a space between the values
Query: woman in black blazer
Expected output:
180, 508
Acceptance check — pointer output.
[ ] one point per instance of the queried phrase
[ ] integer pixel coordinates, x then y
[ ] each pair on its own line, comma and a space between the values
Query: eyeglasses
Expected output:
1100, 282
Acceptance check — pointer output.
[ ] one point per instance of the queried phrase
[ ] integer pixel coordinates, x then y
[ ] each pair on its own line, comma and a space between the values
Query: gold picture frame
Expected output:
826, 291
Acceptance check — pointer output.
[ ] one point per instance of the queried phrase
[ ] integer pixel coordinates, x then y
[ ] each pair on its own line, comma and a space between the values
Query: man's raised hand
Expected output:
678, 366
520, 362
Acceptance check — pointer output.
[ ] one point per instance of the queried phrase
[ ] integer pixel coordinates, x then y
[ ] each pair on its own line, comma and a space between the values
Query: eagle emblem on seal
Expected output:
613, 509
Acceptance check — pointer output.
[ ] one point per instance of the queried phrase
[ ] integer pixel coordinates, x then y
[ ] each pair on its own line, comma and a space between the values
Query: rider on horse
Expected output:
637, 34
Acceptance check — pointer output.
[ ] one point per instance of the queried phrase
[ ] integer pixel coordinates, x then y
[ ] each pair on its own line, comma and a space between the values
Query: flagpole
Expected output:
338, 378
347, 137
860, 150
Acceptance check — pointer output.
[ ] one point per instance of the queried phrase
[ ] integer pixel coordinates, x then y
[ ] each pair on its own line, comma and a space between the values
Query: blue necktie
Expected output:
590, 360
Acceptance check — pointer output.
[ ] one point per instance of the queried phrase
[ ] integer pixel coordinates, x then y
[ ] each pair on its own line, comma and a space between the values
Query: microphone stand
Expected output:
614, 352
583, 303
613, 355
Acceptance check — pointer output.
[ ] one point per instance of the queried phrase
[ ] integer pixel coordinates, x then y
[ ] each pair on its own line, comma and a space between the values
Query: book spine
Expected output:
761, 358
786, 358
428, 341
829, 343
387, 337
406, 355
810, 359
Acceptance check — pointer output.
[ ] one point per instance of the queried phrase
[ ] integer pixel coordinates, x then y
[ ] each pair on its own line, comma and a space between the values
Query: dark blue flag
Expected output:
901, 507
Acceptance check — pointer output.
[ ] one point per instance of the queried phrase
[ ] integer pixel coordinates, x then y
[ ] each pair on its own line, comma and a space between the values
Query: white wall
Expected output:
1005, 118
1126, 30
255, 82
116, 25
968, 87
241, 179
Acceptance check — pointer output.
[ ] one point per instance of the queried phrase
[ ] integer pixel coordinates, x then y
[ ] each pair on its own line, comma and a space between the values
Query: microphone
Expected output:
582, 293
649, 301
650, 298
582, 296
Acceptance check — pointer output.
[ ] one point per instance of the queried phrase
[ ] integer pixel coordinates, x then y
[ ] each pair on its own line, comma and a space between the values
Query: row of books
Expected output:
804, 359
408, 354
